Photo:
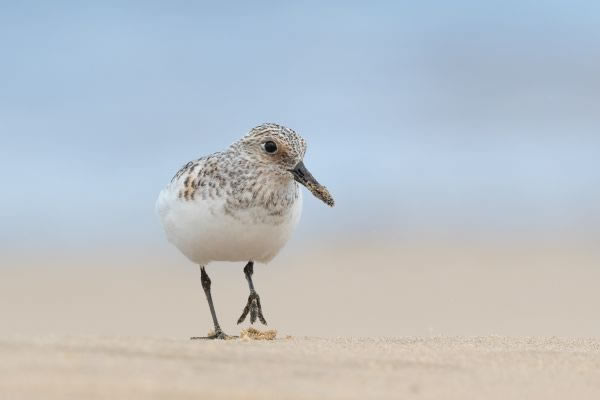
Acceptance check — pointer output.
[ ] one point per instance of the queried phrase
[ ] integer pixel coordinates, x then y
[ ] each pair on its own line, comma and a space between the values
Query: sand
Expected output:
468, 320
300, 368
319, 290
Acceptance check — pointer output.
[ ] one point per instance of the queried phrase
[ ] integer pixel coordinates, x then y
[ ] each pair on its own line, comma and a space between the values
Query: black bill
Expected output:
304, 177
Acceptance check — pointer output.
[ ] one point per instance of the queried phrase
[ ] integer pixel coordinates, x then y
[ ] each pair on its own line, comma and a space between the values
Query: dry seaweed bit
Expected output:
321, 192
255, 334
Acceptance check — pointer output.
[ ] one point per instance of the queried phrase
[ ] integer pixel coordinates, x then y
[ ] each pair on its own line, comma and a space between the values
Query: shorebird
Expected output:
239, 205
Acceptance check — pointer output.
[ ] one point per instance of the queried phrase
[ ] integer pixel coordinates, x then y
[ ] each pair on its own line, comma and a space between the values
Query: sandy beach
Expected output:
497, 321
490, 367
335, 289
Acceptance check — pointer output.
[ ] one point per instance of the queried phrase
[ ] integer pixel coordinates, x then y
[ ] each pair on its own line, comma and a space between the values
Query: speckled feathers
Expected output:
239, 204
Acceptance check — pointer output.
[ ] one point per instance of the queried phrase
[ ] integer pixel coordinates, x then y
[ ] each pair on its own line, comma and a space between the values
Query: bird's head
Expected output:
281, 150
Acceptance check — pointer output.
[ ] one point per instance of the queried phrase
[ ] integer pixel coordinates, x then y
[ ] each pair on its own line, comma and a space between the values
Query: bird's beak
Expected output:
302, 176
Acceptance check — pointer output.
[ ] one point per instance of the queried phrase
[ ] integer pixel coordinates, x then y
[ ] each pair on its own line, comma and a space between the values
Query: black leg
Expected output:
206, 286
253, 306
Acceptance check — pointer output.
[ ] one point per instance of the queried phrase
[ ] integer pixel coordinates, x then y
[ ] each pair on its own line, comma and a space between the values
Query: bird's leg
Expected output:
206, 286
253, 305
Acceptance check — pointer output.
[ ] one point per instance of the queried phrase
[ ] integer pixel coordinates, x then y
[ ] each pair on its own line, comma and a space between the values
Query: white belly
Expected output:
204, 233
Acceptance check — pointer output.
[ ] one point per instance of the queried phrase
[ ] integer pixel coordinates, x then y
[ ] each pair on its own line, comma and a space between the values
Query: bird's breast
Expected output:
236, 226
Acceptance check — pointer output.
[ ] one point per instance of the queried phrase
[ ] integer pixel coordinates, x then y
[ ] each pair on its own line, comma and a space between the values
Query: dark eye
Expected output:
270, 147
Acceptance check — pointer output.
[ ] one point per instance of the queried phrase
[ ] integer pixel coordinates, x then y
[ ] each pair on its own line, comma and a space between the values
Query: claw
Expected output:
260, 314
217, 335
244, 313
254, 308
253, 312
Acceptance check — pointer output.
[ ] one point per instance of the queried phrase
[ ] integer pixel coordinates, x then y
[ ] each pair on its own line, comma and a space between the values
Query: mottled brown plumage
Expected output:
241, 204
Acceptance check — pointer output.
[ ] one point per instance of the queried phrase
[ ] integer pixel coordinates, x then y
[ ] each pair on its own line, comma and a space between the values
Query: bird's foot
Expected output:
253, 307
217, 335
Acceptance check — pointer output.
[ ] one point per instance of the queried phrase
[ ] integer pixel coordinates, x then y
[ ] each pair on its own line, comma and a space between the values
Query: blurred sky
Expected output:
420, 116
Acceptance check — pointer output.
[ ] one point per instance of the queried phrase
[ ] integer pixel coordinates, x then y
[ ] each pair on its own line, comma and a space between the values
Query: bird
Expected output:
239, 205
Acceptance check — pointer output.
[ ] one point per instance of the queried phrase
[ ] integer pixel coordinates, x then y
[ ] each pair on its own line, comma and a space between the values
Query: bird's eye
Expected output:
270, 147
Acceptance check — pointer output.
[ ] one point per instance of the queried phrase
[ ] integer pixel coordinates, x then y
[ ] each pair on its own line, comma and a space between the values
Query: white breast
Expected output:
202, 231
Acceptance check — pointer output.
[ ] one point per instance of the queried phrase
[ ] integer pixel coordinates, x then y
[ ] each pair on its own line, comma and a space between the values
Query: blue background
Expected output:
444, 118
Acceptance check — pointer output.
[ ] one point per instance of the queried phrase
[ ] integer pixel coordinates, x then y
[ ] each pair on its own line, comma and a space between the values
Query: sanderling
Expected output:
241, 204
